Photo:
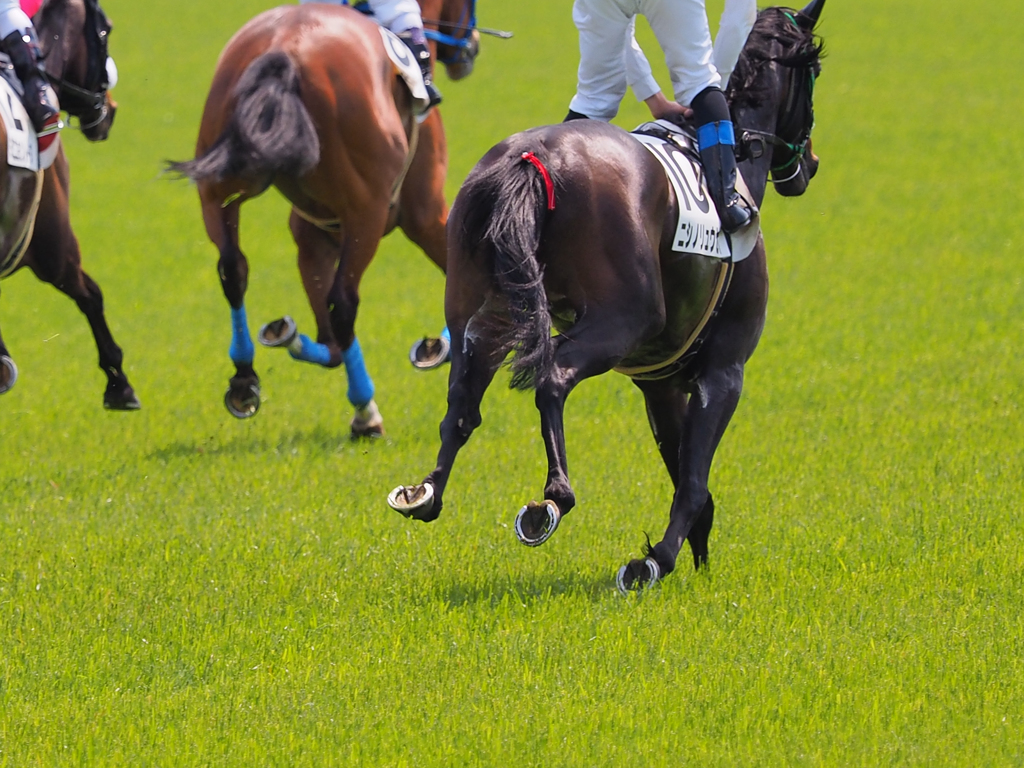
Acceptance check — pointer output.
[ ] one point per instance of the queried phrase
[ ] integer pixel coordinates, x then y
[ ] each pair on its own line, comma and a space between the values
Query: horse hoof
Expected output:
278, 333
638, 575
242, 400
430, 353
536, 522
121, 400
8, 373
367, 422
415, 502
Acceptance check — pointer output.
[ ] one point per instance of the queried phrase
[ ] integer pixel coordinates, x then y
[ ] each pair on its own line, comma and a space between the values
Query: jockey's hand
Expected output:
663, 109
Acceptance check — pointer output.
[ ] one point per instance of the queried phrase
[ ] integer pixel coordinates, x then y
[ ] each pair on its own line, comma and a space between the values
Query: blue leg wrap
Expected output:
710, 134
241, 350
309, 351
360, 386
446, 334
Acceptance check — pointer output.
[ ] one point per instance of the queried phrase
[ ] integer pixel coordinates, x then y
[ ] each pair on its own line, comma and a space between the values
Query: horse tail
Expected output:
270, 131
510, 200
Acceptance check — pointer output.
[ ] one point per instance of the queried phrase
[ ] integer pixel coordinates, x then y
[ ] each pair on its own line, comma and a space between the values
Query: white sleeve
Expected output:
737, 20
638, 70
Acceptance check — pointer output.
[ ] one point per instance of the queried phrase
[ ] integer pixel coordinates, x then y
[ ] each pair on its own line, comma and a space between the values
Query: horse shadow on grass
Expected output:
317, 441
525, 590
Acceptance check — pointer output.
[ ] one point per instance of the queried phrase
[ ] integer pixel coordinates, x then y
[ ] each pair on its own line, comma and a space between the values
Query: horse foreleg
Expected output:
54, 256
708, 413
343, 304
666, 402
423, 213
243, 396
8, 370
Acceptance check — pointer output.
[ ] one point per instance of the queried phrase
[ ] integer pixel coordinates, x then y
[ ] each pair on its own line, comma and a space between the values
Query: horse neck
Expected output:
58, 25
764, 119
451, 11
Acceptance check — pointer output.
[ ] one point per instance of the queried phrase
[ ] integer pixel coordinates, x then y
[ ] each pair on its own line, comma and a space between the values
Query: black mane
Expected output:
774, 28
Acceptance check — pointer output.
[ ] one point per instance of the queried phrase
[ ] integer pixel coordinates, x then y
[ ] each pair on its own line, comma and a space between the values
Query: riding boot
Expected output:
574, 115
717, 142
39, 100
417, 43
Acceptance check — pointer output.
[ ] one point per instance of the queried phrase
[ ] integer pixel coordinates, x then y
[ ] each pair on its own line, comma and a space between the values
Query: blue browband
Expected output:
432, 34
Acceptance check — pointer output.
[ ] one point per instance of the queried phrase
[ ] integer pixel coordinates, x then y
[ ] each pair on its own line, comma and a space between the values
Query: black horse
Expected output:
572, 226
73, 35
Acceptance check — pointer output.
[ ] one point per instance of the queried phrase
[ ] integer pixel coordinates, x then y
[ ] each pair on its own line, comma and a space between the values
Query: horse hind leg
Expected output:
242, 398
477, 353
589, 350
333, 293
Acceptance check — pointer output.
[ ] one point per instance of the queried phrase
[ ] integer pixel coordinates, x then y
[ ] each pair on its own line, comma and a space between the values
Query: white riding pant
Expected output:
12, 18
396, 15
611, 59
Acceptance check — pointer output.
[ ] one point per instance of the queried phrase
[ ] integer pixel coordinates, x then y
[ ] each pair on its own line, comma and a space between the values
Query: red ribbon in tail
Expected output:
548, 184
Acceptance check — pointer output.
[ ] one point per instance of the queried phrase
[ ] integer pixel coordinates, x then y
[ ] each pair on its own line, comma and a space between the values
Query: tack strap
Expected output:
548, 184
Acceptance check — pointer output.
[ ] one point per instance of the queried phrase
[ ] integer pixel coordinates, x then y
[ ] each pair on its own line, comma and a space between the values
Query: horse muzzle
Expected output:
461, 64
97, 127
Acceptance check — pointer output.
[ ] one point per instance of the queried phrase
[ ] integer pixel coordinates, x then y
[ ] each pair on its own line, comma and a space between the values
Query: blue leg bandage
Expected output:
360, 386
710, 134
446, 334
241, 350
309, 351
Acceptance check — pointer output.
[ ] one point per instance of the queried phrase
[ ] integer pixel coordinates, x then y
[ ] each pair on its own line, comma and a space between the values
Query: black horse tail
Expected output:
270, 131
507, 206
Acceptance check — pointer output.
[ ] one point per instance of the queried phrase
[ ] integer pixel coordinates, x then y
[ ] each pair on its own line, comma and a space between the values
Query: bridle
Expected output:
88, 104
463, 46
755, 143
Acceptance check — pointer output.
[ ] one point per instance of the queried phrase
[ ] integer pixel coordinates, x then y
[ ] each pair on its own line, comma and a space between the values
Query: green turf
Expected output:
179, 588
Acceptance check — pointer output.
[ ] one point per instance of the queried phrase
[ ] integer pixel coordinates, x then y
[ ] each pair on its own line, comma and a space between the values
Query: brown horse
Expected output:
34, 205
307, 99
572, 226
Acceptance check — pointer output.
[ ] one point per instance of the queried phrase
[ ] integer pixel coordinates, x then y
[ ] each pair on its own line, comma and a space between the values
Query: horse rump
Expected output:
269, 132
504, 209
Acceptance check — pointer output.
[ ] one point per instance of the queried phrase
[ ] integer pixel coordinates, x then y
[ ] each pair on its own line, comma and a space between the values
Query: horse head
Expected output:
771, 96
74, 36
457, 38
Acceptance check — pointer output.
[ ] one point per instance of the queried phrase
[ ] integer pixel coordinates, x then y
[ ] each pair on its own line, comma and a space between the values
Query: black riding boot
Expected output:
421, 53
719, 161
717, 141
23, 48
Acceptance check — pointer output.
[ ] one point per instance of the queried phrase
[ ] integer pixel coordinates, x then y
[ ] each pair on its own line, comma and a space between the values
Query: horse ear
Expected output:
808, 17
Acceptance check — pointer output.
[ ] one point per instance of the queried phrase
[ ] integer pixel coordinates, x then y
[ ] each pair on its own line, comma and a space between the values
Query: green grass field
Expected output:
179, 588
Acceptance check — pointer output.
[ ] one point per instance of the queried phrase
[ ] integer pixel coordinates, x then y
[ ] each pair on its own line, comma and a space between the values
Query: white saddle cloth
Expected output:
699, 229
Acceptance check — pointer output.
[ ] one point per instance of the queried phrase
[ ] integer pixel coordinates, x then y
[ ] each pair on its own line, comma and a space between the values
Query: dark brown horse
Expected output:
34, 205
307, 99
572, 226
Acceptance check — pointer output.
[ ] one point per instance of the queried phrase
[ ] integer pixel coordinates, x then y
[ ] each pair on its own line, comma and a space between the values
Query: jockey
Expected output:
610, 59
403, 18
18, 40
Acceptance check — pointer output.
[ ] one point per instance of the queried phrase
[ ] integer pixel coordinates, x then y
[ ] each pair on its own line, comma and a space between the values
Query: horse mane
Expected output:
801, 49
